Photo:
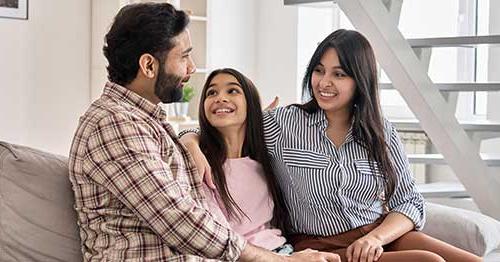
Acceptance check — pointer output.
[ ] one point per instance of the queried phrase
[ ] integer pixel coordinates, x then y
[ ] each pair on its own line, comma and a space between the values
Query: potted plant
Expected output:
181, 108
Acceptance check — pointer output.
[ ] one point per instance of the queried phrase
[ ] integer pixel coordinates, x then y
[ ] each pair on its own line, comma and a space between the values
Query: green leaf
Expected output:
187, 92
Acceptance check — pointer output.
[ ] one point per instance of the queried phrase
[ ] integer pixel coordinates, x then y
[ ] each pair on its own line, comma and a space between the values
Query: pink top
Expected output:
247, 185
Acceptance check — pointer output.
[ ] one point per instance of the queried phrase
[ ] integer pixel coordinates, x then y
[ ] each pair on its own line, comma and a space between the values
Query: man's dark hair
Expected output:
139, 29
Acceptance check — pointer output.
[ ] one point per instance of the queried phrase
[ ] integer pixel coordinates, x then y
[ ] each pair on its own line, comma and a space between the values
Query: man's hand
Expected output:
192, 144
365, 249
313, 255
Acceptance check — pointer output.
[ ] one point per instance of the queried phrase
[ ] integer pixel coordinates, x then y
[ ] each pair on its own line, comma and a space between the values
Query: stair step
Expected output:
412, 125
466, 41
438, 159
442, 190
457, 87
298, 2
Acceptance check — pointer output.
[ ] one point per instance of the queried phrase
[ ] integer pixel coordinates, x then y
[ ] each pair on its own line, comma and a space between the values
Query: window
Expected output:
447, 65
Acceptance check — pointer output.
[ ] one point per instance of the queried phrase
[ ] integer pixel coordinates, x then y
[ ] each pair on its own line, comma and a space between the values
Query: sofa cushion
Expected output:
469, 230
37, 219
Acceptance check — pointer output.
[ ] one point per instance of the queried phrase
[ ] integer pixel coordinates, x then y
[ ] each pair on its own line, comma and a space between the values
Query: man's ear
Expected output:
148, 65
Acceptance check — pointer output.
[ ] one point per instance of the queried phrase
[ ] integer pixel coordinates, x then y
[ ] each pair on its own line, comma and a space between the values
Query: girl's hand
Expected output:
192, 144
365, 249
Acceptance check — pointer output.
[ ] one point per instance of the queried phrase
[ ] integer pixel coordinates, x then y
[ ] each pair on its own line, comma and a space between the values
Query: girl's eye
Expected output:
233, 91
211, 92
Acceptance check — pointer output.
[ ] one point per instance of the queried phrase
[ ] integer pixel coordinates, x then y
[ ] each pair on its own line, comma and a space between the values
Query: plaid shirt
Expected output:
137, 193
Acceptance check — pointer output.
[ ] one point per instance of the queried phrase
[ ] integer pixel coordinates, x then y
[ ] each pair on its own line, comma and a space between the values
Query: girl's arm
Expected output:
190, 139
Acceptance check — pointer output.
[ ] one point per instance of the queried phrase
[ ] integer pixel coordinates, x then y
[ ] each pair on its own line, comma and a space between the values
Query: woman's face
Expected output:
332, 87
225, 103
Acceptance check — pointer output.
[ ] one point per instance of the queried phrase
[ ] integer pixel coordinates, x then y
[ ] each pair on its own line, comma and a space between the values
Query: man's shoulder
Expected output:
106, 110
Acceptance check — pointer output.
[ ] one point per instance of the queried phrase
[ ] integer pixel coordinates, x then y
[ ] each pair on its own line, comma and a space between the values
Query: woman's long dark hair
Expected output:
213, 146
357, 59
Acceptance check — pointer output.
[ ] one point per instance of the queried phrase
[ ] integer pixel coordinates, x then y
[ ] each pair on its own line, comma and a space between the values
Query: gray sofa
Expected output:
38, 222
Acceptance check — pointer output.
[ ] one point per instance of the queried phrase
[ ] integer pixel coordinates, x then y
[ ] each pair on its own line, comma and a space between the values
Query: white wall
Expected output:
102, 15
259, 38
277, 51
232, 35
314, 24
44, 69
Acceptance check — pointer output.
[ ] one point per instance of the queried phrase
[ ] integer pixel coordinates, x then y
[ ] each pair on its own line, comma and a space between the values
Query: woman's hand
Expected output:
192, 144
366, 249
273, 104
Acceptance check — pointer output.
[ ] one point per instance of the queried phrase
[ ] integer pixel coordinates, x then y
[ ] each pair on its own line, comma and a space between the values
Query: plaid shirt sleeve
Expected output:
124, 157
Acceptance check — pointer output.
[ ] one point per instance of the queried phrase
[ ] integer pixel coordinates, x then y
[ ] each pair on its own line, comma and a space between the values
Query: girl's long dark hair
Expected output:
357, 59
213, 146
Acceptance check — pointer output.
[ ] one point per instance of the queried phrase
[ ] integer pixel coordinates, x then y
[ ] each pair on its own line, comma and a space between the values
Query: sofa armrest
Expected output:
469, 230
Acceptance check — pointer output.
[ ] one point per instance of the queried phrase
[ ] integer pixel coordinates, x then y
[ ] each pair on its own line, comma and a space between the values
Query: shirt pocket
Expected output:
370, 180
303, 158
311, 179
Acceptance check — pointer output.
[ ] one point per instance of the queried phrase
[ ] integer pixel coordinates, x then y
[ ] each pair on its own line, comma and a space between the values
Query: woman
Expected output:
342, 168
232, 139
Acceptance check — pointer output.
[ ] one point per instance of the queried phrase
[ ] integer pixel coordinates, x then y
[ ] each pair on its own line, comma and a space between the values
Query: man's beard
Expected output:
168, 87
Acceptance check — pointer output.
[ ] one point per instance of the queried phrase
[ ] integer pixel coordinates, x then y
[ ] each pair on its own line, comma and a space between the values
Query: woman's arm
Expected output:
405, 199
394, 226
272, 129
406, 207
370, 246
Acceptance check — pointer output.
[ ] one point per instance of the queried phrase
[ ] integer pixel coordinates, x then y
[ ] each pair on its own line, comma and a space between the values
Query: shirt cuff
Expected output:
414, 213
235, 245
189, 130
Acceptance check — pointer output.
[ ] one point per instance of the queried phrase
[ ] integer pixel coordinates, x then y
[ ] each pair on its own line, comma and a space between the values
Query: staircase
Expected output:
406, 62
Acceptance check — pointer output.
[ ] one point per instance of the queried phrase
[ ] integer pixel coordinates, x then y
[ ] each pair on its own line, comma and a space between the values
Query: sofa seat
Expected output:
38, 221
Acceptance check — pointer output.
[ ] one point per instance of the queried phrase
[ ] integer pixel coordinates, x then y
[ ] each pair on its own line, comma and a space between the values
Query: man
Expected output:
137, 192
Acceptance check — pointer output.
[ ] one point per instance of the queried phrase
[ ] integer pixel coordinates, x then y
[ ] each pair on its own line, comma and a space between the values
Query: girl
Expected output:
247, 197
342, 168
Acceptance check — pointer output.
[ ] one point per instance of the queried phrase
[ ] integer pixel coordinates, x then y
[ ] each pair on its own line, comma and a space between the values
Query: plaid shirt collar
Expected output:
122, 94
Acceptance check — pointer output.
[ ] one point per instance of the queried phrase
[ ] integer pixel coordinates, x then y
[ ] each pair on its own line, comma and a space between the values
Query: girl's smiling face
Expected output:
225, 103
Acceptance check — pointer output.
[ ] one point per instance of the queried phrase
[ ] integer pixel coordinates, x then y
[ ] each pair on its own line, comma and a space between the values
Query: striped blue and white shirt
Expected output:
331, 190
